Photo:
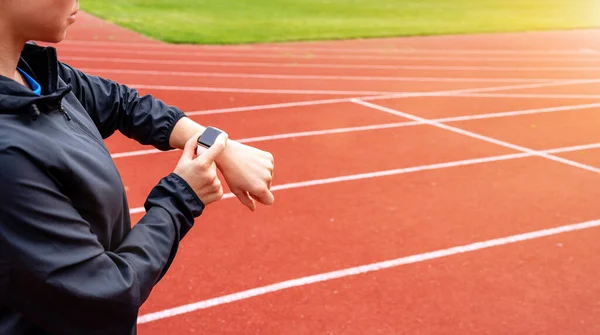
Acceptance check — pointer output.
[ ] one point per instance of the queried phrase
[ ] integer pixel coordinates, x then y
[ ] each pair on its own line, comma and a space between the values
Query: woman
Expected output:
70, 263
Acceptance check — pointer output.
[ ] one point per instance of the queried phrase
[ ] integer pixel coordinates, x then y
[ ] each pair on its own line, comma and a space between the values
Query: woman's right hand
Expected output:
200, 172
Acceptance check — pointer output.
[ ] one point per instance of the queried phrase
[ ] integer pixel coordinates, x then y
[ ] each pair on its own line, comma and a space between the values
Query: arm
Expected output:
114, 106
60, 276
248, 171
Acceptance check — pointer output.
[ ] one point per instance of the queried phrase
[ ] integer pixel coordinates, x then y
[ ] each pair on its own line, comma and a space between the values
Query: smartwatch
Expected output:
207, 139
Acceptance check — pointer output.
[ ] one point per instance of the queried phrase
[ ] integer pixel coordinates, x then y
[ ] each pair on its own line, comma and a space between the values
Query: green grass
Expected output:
249, 21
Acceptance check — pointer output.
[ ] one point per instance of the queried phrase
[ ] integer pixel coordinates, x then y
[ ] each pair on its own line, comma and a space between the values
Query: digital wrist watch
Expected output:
207, 139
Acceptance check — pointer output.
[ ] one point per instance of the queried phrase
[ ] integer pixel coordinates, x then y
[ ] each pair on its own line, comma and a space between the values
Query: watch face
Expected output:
208, 137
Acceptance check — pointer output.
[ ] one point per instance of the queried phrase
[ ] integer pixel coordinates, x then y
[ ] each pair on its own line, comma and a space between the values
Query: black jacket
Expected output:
70, 263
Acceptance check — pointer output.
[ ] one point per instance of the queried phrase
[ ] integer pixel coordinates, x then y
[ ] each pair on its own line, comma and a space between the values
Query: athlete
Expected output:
70, 260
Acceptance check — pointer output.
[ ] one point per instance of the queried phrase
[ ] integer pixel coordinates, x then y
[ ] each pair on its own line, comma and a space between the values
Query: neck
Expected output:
10, 52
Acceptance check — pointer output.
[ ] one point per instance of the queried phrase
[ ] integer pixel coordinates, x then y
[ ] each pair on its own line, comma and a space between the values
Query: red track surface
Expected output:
539, 286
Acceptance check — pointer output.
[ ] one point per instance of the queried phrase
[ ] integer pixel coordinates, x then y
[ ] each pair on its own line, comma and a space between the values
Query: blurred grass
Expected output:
249, 21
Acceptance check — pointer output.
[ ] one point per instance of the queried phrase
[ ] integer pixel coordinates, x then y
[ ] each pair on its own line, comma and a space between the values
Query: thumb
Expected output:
189, 148
211, 153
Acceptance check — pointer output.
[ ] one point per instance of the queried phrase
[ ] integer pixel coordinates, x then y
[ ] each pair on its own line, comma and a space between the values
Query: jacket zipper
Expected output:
83, 130
62, 110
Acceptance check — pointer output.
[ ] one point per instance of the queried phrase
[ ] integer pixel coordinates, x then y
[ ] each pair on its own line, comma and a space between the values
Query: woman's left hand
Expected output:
248, 172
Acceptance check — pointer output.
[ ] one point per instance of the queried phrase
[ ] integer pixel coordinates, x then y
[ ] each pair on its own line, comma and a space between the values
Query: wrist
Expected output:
224, 157
183, 130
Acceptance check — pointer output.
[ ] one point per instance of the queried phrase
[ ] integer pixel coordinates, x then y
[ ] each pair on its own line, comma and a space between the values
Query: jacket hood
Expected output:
41, 64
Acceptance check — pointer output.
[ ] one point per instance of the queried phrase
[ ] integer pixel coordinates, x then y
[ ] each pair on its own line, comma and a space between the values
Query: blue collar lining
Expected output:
37, 89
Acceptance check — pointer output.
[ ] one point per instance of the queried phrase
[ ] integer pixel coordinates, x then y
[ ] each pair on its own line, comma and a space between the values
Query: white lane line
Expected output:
363, 49
321, 77
481, 90
354, 271
381, 126
268, 106
337, 66
138, 153
308, 56
436, 166
367, 95
370, 175
253, 90
527, 95
448, 93
478, 136
391, 96
517, 113
282, 136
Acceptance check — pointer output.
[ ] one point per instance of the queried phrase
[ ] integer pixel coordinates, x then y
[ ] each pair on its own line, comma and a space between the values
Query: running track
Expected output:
435, 185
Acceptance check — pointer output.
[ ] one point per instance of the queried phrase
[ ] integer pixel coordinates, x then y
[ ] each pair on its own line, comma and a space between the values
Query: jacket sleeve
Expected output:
60, 277
113, 106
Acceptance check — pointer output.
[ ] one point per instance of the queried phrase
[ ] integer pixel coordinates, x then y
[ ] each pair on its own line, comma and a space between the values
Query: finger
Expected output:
272, 176
269, 180
190, 146
211, 153
215, 195
265, 197
245, 199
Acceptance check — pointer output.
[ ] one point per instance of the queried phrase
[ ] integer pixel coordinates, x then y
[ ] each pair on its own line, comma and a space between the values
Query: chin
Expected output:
58, 39
53, 38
